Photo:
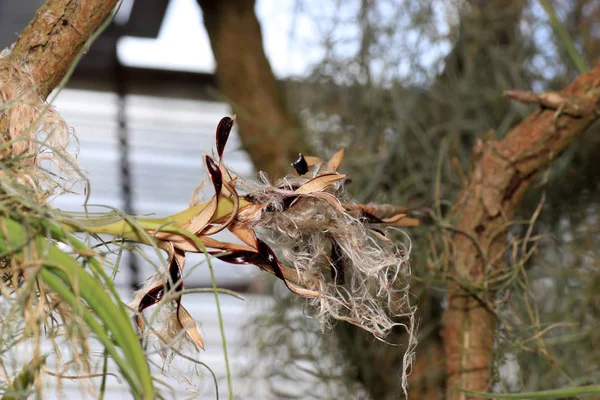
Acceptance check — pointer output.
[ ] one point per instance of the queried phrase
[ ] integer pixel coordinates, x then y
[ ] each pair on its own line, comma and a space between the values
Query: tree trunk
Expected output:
503, 171
269, 132
487, 29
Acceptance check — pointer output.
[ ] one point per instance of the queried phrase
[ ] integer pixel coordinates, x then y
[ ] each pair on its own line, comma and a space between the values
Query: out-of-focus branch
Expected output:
575, 106
269, 132
502, 172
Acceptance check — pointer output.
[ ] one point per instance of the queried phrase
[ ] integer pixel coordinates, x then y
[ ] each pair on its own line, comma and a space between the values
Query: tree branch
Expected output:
37, 63
54, 37
503, 171
268, 130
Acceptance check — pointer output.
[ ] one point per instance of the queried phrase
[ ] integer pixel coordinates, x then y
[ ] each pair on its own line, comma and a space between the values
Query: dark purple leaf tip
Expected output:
215, 174
300, 165
152, 297
175, 273
223, 131
264, 256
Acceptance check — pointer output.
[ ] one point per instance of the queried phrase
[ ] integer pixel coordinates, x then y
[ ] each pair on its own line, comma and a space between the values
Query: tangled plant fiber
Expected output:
38, 153
360, 275
35, 134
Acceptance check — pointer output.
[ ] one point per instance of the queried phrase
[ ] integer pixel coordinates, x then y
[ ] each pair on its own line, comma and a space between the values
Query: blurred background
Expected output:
406, 87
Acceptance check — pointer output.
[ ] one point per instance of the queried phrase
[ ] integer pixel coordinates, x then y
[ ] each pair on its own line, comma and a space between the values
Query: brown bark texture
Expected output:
54, 37
487, 28
43, 54
501, 174
269, 132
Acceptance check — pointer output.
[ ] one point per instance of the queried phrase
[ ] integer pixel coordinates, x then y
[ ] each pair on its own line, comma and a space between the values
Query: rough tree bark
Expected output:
487, 29
269, 132
502, 172
49, 45
54, 37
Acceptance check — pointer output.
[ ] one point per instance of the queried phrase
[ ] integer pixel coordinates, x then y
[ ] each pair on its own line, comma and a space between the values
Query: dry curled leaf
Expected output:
311, 161
244, 233
191, 327
393, 219
336, 160
331, 199
305, 293
186, 244
319, 183
406, 222
202, 219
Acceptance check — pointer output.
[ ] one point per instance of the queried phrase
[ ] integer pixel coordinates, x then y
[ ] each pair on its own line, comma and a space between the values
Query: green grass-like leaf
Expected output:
106, 317
544, 394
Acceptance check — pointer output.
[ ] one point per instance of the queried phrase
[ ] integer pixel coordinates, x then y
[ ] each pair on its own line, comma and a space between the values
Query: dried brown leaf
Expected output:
319, 183
406, 222
215, 228
140, 322
201, 220
312, 161
302, 292
392, 220
380, 235
185, 244
336, 160
331, 199
244, 233
190, 326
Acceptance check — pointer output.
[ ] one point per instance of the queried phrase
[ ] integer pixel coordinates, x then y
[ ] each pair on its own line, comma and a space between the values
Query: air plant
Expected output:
302, 229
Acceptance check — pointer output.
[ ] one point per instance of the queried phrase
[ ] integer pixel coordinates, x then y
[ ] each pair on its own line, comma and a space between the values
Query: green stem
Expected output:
564, 38
104, 376
123, 227
221, 327
20, 386
545, 394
